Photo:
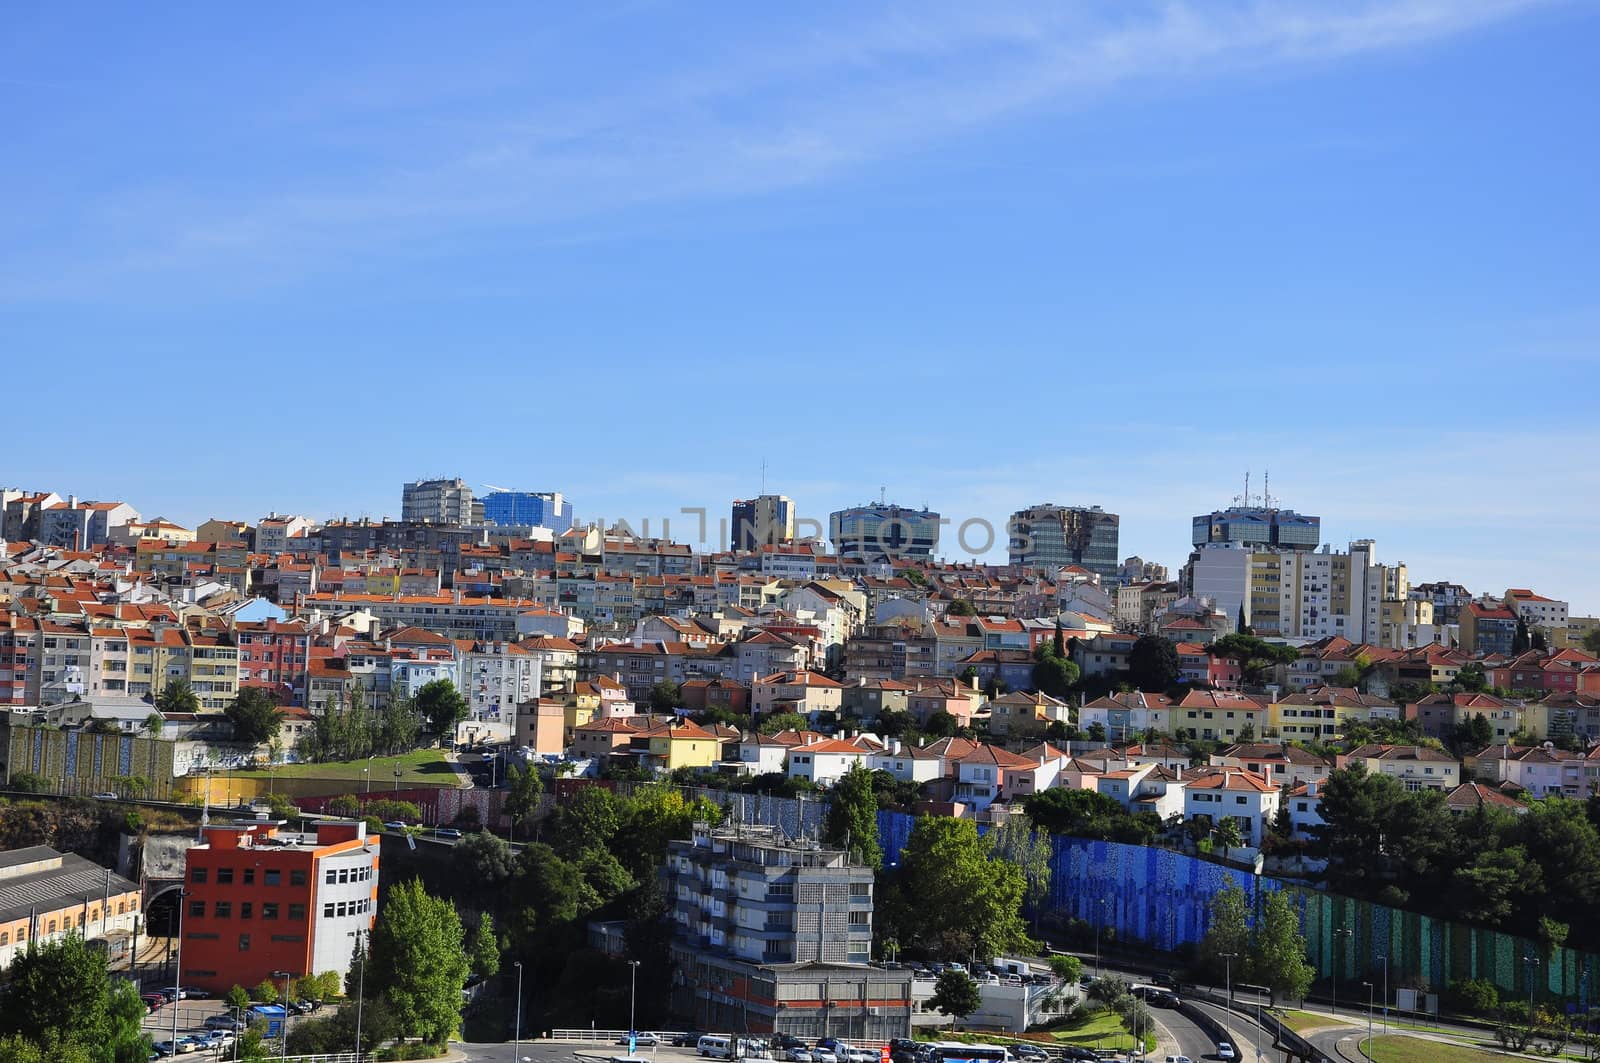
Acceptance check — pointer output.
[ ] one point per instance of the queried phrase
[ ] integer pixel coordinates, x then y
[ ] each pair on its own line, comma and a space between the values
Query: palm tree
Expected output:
1228, 835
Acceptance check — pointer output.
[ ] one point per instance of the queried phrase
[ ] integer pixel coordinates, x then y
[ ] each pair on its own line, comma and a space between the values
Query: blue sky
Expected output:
981, 255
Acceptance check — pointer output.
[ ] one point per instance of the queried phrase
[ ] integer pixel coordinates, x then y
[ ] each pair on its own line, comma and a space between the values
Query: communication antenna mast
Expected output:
763, 475
1266, 488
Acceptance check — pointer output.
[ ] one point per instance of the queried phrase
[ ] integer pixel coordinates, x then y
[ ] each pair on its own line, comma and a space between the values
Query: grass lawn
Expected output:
418, 766
1102, 1031
1397, 1049
1301, 1021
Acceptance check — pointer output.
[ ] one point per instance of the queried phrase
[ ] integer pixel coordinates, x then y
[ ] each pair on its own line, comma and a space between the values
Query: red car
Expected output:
152, 1001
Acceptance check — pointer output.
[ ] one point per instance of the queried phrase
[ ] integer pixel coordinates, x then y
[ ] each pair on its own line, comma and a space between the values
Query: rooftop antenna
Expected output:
763, 475
1266, 488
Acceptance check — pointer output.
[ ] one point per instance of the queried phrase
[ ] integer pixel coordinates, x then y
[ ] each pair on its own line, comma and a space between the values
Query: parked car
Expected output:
646, 1040
224, 1022
1079, 1052
152, 1001
686, 1039
820, 1054
106, 795
1023, 1050
189, 992
798, 1055
446, 832
394, 824
162, 1048
190, 1044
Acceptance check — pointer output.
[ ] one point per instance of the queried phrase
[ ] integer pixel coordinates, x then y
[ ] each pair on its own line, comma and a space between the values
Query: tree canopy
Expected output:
956, 994
1054, 672
441, 704
852, 819
1153, 664
255, 716
952, 895
419, 962
177, 696
62, 1001
1256, 657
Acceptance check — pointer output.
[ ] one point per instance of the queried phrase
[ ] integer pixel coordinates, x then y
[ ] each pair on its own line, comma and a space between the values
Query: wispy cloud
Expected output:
757, 113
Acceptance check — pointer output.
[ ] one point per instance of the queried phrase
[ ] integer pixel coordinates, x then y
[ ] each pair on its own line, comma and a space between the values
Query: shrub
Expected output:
1478, 996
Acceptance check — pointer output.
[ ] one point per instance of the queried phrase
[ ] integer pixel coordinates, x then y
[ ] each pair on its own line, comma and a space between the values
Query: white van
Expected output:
715, 1046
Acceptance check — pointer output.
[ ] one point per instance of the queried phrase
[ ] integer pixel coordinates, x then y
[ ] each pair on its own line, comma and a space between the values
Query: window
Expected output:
273, 877
269, 910
244, 942
222, 910
197, 874
51, 929
297, 912
343, 910
224, 876
327, 911
246, 910
297, 878
197, 909
288, 937
344, 875
249, 876
331, 877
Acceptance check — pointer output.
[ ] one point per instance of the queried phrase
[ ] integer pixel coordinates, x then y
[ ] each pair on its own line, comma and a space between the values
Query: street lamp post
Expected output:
177, 972
1531, 962
517, 1049
1342, 932
633, 996
1227, 974
1385, 960
361, 989
1369, 1018
285, 975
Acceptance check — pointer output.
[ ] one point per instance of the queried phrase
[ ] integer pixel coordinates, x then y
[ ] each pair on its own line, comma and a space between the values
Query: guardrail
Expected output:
607, 1036
331, 1057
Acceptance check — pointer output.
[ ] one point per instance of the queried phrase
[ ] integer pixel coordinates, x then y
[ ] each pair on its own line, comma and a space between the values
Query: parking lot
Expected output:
191, 1016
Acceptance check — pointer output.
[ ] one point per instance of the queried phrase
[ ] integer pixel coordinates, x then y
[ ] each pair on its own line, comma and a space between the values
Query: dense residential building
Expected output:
1052, 536
766, 520
259, 900
439, 502
1536, 610
82, 525
528, 509
883, 532
1487, 629
1219, 794
1415, 767
1253, 526
46, 895
1448, 600
774, 935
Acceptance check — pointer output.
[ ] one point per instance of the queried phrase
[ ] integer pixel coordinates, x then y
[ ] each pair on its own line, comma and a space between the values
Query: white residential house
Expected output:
825, 761
1543, 770
1305, 807
1218, 794
1278, 763
908, 763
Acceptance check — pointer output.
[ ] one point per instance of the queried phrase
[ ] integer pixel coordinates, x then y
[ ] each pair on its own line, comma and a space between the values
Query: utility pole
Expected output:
1369, 1018
516, 1052
1342, 932
177, 973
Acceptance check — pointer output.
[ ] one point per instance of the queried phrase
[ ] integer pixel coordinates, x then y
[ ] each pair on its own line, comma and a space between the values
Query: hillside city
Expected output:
778, 783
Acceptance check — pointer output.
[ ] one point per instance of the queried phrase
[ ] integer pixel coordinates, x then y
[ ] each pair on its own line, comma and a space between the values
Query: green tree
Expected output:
1256, 657
774, 722
960, 607
268, 991
1521, 642
61, 995
589, 819
153, 724
1228, 934
963, 898
483, 952
1228, 835
852, 819
398, 725
177, 696
237, 997
1153, 664
442, 705
955, 994
419, 962
1067, 968
665, 696
941, 725
524, 792
1591, 641
255, 716
26, 782
1053, 674
1473, 733
1279, 960
1017, 842
1471, 677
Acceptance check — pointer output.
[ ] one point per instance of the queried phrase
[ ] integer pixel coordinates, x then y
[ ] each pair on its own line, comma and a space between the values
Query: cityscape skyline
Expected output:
1170, 536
